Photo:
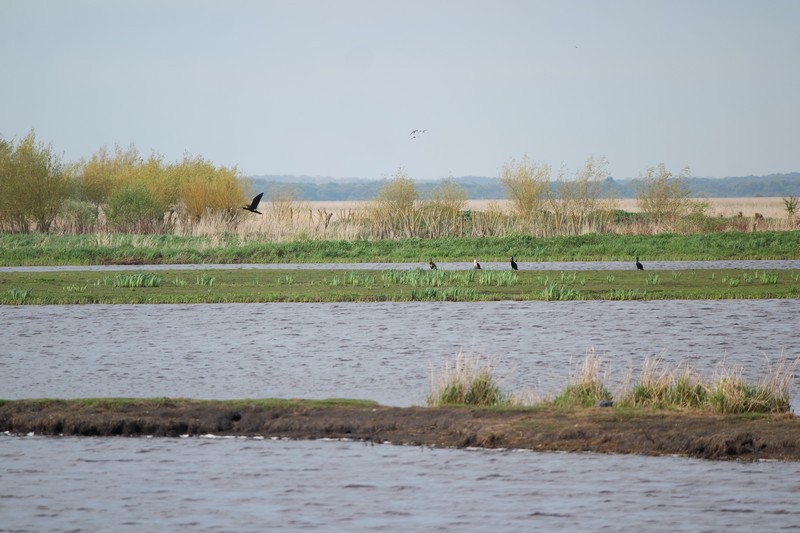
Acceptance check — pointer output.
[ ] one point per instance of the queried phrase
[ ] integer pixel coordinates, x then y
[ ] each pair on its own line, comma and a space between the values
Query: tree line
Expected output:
119, 186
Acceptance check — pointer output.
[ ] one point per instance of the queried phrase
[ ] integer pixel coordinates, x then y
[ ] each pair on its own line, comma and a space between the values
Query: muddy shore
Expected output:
601, 430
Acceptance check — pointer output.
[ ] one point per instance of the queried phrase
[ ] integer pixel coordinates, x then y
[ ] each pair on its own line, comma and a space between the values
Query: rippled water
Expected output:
378, 351
202, 484
538, 265
384, 352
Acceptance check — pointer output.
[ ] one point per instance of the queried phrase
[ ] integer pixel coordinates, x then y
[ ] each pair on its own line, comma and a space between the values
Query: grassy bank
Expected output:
625, 431
38, 249
306, 285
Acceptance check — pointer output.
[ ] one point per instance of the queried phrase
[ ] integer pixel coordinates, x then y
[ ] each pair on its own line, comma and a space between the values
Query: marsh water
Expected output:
213, 484
384, 352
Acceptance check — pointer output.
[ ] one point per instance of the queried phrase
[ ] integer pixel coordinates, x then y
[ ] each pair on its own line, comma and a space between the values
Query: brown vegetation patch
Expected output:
599, 430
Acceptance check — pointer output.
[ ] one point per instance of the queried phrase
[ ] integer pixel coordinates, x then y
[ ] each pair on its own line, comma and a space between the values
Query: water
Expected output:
203, 484
535, 265
383, 352
378, 351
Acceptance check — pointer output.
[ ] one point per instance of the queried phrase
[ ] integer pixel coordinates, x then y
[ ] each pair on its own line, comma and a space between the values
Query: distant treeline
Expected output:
483, 188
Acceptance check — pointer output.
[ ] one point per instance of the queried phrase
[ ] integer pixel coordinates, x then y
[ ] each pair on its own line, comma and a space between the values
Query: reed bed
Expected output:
659, 386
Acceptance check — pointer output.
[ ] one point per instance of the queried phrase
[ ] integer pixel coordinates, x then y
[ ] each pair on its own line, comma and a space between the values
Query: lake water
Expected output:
378, 351
213, 484
778, 264
384, 352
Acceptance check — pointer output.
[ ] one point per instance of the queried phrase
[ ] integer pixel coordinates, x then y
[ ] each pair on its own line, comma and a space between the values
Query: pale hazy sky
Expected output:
333, 88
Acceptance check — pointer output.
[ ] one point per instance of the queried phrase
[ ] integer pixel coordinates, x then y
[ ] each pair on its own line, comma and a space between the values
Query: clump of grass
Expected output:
660, 388
610, 278
569, 277
178, 282
354, 279
585, 387
470, 381
727, 393
19, 294
653, 278
769, 278
676, 275
554, 292
500, 278
732, 394
206, 280
137, 280
622, 294
415, 278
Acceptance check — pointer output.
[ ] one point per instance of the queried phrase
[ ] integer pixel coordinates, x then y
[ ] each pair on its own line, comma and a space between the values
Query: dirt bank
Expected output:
597, 430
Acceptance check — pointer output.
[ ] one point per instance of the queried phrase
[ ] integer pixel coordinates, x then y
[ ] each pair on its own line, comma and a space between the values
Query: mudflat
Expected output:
601, 430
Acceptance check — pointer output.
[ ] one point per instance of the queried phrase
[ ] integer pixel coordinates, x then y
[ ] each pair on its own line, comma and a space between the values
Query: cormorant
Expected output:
254, 204
432, 264
513, 264
639, 265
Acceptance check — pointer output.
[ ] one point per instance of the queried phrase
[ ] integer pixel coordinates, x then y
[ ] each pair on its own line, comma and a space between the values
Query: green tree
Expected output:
134, 209
579, 201
33, 184
96, 178
662, 195
393, 207
526, 184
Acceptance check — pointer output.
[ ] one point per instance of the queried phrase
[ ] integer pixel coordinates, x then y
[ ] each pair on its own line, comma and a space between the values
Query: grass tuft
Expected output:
470, 381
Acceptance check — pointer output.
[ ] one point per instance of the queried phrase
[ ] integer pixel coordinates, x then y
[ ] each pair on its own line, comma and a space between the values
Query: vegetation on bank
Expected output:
119, 191
39, 249
318, 285
471, 381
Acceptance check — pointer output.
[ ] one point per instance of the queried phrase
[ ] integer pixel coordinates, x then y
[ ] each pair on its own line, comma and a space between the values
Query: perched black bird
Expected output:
476, 265
254, 204
639, 265
432, 264
513, 264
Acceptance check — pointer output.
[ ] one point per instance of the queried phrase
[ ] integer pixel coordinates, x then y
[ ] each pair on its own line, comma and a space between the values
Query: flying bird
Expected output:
513, 264
254, 204
415, 133
476, 265
639, 265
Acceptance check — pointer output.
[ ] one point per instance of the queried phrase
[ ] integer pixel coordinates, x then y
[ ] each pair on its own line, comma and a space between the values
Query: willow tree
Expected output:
33, 185
393, 207
663, 195
579, 204
526, 183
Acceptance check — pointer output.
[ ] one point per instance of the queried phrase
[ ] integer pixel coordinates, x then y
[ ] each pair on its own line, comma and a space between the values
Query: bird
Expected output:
254, 204
432, 264
513, 264
476, 265
415, 133
639, 265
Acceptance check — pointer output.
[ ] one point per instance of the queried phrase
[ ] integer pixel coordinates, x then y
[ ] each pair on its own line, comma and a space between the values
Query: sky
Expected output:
333, 88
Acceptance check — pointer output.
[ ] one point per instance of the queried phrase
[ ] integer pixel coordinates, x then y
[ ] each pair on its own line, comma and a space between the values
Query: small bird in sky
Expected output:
415, 133
254, 204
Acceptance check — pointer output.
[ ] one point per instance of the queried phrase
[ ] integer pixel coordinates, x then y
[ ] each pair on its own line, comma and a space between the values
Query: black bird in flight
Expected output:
432, 264
639, 265
513, 264
415, 133
254, 204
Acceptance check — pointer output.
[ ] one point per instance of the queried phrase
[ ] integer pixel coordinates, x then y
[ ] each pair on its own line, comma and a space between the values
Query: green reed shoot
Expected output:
206, 280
